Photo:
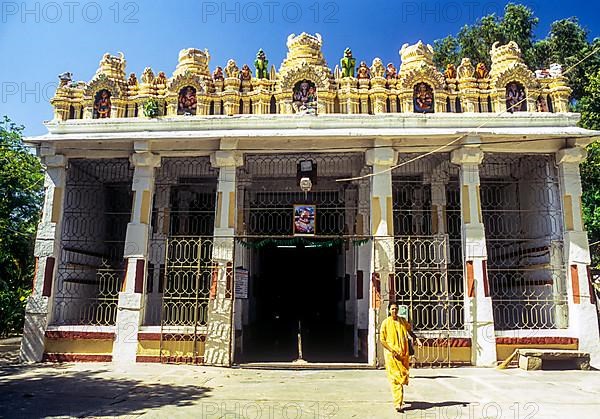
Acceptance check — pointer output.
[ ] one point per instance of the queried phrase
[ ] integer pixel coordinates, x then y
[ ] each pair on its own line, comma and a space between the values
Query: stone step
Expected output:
532, 359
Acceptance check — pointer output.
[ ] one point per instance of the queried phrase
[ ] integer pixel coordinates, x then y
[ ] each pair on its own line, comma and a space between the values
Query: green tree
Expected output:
21, 187
567, 44
447, 52
589, 106
518, 25
475, 41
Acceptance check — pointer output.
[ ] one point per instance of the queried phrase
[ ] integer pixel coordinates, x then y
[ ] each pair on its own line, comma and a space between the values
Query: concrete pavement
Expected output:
166, 391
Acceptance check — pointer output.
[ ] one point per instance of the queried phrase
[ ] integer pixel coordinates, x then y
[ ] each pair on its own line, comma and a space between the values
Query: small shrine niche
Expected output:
423, 98
186, 104
102, 104
305, 97
543, 103
515, 97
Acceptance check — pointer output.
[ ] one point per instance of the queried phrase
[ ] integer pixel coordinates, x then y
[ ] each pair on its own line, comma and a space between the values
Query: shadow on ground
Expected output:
9, 351
57, 391
418, 405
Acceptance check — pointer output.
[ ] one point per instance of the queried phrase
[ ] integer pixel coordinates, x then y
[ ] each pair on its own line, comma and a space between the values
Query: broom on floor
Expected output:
504, 364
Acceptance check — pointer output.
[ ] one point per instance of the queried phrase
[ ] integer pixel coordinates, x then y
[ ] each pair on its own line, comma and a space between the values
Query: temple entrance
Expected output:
297, 291
296, 251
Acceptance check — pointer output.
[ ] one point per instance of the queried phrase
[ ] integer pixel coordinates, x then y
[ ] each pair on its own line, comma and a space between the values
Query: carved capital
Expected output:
55, 160
467, 155
145, 159
571, 155
385, 156
141, 146
223, 158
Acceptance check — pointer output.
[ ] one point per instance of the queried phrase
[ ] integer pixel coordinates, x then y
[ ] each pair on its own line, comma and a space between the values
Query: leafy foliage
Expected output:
475, 41
589, 106
446, 52
21, 187
567, 44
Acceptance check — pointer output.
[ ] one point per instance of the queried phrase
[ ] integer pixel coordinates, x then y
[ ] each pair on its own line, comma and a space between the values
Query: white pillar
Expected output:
382, 157
438, 180
479, 318
364, 268
218, 347
583, 318
131, 299
47, 255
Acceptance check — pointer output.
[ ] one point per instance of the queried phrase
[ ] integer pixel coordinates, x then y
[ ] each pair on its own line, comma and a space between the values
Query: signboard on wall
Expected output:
241, 283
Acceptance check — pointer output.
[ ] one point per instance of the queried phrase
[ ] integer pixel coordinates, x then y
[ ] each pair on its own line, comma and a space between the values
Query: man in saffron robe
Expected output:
394, 338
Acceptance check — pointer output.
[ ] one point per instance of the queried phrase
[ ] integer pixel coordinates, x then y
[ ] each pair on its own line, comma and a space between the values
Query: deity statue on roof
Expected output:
423, 98
65, 79
304, 98
218, 74
515, 97
161, 79
555, 70
187, 101
542, 104
148, 76
363, 71
132, 81
465, 70
390, 72
245, 74
261, 64
348, 63
481, 71
377, 68
450, 72
543, 73
102, 104
232, 70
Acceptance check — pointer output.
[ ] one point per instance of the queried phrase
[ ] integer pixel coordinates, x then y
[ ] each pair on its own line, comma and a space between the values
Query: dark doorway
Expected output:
298, 287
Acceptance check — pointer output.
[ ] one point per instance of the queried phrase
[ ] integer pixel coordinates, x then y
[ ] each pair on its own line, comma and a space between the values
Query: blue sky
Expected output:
39, 40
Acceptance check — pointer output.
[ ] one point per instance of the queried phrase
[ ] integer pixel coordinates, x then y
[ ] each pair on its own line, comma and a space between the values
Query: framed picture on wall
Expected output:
304, 220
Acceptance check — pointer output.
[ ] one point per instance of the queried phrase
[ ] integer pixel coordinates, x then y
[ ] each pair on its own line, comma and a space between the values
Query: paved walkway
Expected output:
167, 391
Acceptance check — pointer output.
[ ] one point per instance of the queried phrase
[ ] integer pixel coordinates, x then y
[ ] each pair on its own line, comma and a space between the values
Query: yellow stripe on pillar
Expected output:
376, 210
466, 204
231, 218
56, 205
569, 222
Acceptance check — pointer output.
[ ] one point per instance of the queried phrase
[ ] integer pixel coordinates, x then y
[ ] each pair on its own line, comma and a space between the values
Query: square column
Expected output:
130, 310
364, 255
438, 181
47, 254
583, 318
218, 347
479, 315
382, 157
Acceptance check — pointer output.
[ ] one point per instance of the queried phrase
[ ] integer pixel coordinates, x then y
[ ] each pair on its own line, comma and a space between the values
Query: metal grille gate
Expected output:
97, 209
423, 283
188, 285
428, 270
180, 265
521, 207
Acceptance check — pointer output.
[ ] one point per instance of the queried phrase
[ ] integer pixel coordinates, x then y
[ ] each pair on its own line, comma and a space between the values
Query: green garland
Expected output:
316, 243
